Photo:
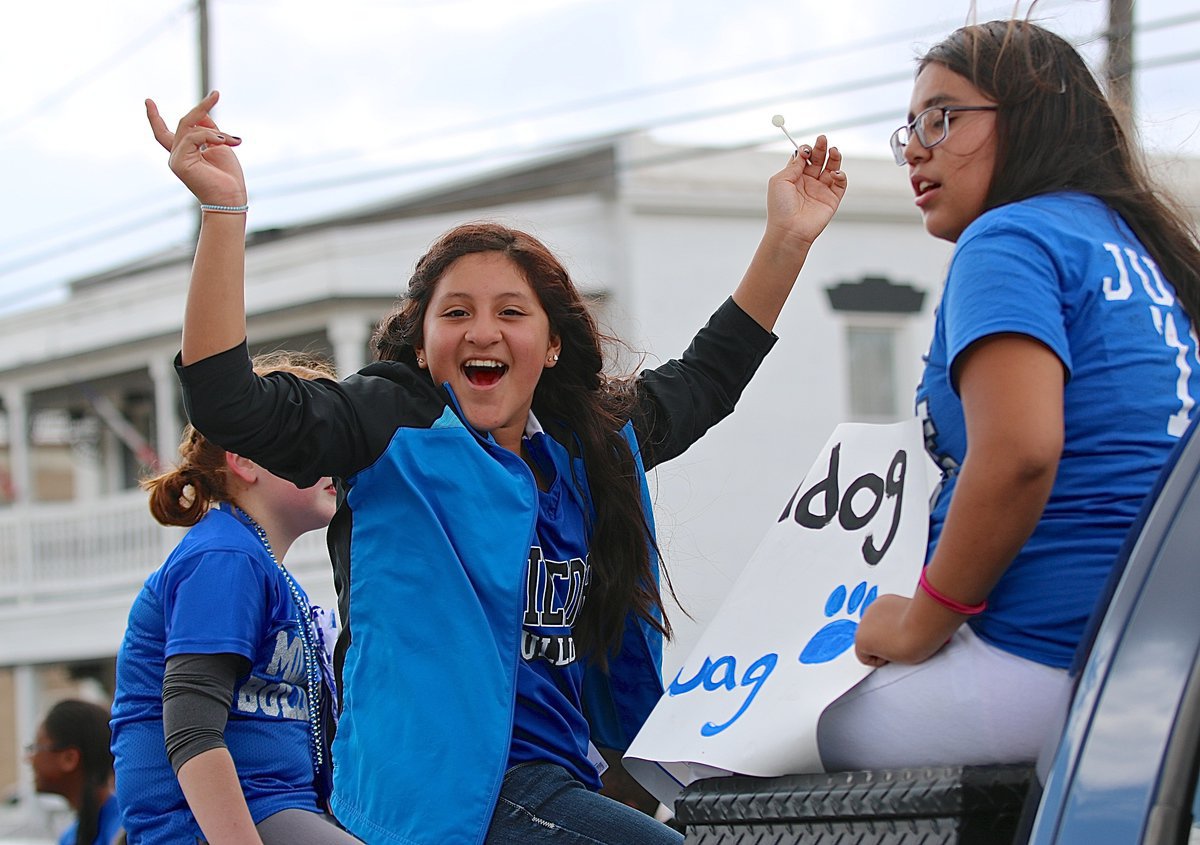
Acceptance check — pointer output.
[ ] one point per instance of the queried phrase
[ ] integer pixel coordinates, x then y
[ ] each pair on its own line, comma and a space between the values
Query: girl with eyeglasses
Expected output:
70, 757
1062, 370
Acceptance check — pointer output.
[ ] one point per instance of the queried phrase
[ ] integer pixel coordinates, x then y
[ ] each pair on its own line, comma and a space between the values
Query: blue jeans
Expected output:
541, 803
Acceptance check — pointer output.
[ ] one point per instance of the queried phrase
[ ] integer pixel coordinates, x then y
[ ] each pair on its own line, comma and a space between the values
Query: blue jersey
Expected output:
218, 592
109, 825
1065, 270
548, 720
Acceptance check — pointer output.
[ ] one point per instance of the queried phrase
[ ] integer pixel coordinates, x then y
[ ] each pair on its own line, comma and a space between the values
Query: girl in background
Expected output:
70, 757
222, 715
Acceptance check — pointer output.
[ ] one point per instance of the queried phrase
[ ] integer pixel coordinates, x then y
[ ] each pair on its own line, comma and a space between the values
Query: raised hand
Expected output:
802, 198
201, 154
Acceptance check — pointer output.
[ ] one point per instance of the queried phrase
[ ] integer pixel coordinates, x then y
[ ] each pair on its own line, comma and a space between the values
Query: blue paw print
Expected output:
837, 636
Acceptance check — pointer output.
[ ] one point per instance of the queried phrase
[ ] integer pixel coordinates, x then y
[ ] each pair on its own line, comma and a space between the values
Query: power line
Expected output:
1167, 61
627, 95
131, 226
82, 80
679, 118
555, 110
426, 165
688, 117
581, 171
1166, 23
124, 228
582, 104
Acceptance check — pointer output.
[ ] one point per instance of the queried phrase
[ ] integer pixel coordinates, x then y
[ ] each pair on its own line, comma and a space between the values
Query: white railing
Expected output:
75, 549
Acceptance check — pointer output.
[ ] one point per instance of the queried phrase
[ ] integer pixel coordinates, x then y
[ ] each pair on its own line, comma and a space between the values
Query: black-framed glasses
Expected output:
931, 127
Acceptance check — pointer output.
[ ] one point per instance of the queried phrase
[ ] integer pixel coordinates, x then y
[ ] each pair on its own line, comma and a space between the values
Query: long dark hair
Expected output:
1055, 130
577, 403
84, 726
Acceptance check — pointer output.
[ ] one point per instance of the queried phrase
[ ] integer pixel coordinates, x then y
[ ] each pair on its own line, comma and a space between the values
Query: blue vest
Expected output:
436, 612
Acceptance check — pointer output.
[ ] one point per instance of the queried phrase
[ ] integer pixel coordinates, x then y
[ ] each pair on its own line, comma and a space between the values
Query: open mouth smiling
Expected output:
481, 372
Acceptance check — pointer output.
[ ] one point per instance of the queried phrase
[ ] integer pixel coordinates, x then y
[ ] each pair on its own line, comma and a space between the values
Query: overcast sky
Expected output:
348, 102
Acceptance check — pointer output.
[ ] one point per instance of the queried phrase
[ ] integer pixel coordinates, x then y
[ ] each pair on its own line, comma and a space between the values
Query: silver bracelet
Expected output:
225, 209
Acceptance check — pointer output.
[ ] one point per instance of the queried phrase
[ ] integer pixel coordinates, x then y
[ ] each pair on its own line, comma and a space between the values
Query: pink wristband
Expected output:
949, 603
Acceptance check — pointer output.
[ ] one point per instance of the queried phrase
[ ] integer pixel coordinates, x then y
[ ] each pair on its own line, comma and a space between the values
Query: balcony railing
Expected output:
71, 550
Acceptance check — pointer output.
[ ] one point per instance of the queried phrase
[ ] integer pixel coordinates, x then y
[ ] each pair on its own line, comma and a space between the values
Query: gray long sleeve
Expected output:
197, 692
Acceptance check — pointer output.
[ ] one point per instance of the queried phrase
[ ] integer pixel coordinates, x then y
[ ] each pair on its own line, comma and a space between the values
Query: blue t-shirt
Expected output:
1066, 270
548, 722
107, 829
217, 593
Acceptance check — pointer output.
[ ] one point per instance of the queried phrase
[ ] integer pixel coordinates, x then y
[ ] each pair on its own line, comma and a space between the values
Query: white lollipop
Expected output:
778, 121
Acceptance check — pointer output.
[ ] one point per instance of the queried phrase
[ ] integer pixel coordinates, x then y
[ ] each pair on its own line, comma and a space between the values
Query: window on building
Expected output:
871, 353
877, 311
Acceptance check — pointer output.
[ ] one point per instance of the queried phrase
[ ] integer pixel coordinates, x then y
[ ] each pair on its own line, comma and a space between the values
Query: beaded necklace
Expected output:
308, 638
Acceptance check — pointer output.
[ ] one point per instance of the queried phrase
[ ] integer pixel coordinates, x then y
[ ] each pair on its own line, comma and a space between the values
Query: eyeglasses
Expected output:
931, 127
38, 747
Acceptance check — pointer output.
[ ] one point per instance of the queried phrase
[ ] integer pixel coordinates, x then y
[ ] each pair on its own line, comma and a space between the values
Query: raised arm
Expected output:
202, 157
683, 398
801, 200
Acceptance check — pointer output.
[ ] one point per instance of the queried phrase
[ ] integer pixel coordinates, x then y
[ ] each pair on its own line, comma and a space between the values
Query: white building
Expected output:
659, 236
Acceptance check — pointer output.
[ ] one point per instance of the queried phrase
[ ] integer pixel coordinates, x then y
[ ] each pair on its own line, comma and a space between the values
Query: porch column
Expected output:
26, 700
16, 404
348, 335
167, 426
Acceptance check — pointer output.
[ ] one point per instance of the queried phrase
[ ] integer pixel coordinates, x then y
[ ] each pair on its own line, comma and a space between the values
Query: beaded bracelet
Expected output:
225, 209
949, 603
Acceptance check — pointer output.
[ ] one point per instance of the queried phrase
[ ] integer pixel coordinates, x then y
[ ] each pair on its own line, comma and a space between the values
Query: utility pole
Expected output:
205, 80
202, 32
1118, 65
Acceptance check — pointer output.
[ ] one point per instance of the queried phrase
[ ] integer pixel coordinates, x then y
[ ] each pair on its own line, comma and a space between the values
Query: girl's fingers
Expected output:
825, 161
164, 136
819, 149
198, 116
820, 156
833, 175
834, 162
196, 119
200, 138
867, 659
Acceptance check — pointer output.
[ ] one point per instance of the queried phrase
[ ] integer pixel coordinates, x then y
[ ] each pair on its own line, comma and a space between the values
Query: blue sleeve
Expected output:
1003, 279
215, 603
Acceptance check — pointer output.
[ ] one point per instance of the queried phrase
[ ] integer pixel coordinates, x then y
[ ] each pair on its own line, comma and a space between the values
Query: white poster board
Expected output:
781, 647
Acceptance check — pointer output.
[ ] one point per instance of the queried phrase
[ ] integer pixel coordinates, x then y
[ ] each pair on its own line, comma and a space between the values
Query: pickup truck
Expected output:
1122, 770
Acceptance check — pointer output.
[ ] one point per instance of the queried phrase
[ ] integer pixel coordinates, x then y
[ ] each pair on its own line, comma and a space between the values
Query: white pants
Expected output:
969, 704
